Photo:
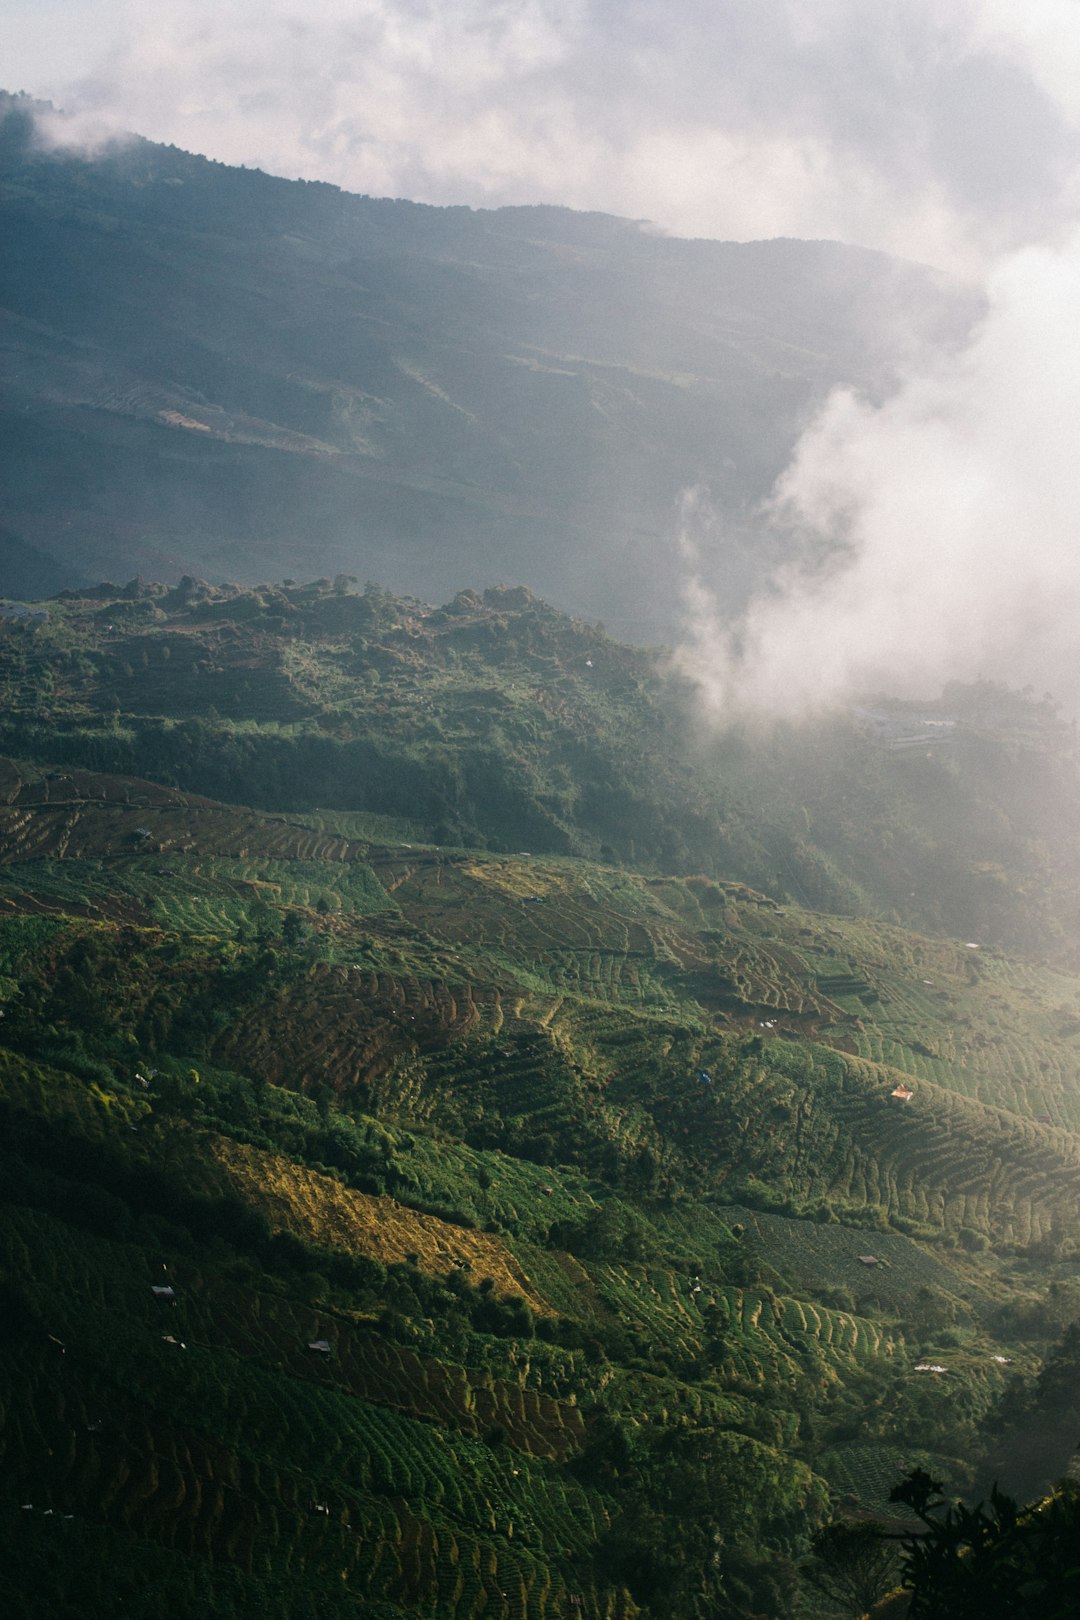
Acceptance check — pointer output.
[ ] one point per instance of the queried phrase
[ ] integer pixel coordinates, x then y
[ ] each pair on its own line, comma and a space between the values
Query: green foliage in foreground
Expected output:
991, 1562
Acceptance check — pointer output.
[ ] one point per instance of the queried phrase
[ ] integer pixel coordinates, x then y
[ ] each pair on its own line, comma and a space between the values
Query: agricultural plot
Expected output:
837, 1133
324, 1212
82, 816
193, 895
346, 1026
863, 1475
378, 1369
52, 1554
819, 1258
522, 908
258, 1503
773, 977
950, 1013
484, 1061
513, 1193
755, 1335
124, 1416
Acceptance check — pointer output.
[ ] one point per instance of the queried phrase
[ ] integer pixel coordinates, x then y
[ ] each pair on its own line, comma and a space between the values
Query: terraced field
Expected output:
194, 895
484, 1184
819, 1258
126, 1427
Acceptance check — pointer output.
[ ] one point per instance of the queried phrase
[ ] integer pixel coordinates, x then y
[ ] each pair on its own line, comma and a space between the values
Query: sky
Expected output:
932, 535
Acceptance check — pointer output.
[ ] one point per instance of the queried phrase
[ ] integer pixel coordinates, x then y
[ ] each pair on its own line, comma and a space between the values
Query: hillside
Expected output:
534, 1233
496, 722
214, 372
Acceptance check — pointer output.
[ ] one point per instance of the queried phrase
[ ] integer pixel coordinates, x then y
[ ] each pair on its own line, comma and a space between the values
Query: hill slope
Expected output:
495, 722
211, 371
393, 1227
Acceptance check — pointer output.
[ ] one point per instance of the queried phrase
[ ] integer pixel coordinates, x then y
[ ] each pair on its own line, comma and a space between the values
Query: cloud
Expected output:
937, 535
940, 129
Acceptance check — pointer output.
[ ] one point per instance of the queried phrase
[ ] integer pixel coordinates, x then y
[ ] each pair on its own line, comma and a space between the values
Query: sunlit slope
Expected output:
587, 1186
575, 1007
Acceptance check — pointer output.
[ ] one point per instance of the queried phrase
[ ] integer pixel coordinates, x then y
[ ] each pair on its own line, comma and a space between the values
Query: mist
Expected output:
927, 538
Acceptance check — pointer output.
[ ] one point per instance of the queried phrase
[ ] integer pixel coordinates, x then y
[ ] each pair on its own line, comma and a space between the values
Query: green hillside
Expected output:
540, 1232
496, 722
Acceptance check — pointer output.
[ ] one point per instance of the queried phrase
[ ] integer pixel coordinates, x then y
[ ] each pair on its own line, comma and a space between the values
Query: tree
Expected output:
263, 920
295, 929
852, 1565
994, 1561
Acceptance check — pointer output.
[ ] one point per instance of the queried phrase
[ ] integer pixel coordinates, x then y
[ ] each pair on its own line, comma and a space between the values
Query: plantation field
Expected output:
819, 1257
121, 1399
322, 1211
516, 1207
866, 1474
195, 895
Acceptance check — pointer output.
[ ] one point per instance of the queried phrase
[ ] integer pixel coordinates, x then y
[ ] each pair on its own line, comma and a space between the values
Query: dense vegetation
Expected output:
495, 722
534, 1234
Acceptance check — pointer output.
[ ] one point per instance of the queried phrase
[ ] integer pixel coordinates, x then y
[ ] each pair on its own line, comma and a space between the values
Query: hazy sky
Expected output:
945, 130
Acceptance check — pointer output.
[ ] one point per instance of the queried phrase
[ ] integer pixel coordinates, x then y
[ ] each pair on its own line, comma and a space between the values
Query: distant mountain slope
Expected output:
210, 371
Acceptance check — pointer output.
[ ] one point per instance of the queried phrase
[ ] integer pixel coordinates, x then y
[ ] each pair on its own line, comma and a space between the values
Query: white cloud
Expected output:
939, 533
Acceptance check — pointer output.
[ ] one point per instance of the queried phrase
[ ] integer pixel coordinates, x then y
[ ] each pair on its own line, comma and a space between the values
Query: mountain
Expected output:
395, 1223
209, 371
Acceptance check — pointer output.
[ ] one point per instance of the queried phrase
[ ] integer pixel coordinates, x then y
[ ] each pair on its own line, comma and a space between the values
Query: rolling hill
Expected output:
398, 1223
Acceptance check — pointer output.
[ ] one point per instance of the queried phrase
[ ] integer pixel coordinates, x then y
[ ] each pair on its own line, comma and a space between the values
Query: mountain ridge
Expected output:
221, 373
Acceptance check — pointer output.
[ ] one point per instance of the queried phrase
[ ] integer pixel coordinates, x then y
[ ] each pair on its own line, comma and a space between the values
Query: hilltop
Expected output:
214, 372
399, 1223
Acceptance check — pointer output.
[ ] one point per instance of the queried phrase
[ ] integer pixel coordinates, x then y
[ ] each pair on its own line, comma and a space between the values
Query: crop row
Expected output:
113, 1424
345, 1026
78, 1445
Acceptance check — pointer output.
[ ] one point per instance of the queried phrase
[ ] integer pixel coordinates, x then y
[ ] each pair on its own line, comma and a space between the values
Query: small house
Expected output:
869, 1260
902, 1093
320, 1346
162, 1291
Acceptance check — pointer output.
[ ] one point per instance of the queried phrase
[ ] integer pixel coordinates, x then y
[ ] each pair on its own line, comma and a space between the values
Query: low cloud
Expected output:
935, 536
